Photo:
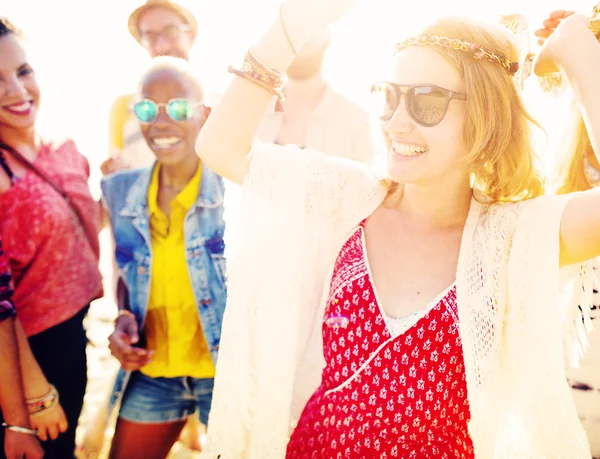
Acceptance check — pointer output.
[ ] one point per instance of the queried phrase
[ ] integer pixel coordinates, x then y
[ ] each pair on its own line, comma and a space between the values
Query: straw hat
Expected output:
184, 13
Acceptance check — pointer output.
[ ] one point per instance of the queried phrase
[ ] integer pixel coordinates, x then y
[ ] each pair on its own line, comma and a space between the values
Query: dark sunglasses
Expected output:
146, 110
425, 103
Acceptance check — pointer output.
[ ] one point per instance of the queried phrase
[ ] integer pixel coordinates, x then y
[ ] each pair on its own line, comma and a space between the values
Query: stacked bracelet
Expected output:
23, 430
36, 405
256, 72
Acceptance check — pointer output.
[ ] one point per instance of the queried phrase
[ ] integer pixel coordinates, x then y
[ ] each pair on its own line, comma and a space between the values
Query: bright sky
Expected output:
85, 57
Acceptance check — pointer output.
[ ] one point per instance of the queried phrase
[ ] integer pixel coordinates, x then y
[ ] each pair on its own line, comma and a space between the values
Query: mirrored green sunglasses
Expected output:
146, 110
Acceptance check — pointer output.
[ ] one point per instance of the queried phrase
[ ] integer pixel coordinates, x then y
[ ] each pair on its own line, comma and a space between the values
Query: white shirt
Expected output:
337, 127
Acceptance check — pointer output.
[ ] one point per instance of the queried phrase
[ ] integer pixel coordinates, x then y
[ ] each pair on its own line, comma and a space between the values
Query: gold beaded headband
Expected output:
478, 51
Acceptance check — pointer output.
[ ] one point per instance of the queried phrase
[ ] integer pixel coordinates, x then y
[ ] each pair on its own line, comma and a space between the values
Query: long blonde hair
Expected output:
497, 131
570, 175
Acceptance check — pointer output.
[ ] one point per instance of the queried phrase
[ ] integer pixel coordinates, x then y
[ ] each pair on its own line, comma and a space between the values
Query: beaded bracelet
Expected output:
36, 405
259, 74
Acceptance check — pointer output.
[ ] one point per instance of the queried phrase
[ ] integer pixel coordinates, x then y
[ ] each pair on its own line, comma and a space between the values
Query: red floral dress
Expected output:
383, 396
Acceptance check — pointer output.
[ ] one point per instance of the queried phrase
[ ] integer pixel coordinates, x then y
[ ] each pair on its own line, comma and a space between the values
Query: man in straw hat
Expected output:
162, 28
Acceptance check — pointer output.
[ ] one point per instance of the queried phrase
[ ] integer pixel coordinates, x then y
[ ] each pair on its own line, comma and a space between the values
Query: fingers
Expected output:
131, 358
132, 331
551, 23
53, 430
28, 448
128, 325
112, 165
561, 14
63, 424
42, 432
134, 362
107, 167
544, 33
50, 423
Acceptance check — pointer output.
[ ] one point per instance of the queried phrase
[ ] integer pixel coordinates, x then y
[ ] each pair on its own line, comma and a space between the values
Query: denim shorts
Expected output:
160, 400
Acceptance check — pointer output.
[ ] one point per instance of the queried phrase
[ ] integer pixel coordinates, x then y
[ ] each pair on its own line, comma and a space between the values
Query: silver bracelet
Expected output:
23, 430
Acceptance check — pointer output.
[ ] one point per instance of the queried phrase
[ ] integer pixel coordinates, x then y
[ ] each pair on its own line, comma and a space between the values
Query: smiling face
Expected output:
419, 154
172, 141
19, 91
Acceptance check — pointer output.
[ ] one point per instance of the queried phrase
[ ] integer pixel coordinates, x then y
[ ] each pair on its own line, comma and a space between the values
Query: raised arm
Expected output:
229, 132
575, 50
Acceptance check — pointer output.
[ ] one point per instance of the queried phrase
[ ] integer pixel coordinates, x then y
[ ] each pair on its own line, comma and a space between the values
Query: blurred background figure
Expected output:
315, 115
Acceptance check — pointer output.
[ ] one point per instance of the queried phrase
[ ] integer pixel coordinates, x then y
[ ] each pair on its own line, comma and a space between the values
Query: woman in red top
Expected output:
49, 232
408, 397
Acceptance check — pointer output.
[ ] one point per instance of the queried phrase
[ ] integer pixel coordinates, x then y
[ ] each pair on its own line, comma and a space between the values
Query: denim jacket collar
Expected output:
136, 204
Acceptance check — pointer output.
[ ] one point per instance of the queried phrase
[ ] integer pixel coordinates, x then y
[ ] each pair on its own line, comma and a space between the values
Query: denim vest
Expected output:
126, 196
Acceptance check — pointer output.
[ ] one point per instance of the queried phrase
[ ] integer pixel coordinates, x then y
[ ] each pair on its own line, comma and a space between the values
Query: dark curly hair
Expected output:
7, 28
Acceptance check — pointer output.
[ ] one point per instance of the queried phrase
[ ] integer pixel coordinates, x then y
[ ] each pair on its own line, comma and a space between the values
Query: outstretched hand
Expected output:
302, 18
325, 12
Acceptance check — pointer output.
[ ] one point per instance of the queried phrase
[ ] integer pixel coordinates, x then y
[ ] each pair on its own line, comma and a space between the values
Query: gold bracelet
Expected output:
277, 92
254, 71
269, 76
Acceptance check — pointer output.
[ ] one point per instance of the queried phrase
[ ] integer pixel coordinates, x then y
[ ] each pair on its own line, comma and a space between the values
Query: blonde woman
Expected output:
411, 316
579, 170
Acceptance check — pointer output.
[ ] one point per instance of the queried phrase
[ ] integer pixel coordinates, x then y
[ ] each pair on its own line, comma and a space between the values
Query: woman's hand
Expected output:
561, 33
112, 165
122, 341
50, 423
550, 24
19, 446
302, 18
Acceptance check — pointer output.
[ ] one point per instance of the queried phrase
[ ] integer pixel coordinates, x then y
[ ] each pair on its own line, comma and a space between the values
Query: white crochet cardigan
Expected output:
297, 207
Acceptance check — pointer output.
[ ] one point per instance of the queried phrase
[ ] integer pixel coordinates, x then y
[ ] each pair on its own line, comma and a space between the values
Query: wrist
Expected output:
37, 405
574, 47
125, 313
297, 27
20, 429
20, 419
37, 389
